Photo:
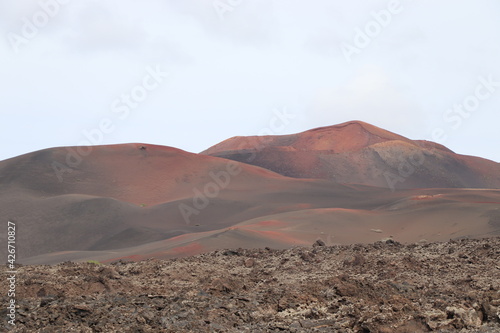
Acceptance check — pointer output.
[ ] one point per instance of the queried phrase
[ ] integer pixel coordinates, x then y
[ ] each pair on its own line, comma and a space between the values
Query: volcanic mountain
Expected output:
357, 152
137, 201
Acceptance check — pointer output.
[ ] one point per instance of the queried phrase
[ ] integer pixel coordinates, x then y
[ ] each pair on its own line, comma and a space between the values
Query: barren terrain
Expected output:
381, 287
357, 152
148, 238
138, 201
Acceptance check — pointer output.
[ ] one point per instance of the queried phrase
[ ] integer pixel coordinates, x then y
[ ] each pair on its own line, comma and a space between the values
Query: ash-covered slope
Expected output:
140, 201
122, 196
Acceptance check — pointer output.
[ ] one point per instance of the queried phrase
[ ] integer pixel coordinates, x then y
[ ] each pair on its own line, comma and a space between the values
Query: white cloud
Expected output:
370, 96
95, 27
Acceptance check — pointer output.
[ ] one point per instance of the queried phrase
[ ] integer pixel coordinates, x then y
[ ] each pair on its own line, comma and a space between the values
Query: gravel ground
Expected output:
380, 287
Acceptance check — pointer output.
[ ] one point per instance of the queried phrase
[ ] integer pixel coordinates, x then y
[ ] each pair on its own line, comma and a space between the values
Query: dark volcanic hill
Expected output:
357, 152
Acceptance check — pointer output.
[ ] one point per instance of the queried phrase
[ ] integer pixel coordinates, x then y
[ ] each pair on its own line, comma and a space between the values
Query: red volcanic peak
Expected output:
349, 136
357, 152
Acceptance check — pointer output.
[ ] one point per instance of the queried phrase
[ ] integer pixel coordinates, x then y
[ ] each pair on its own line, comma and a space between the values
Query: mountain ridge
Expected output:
358, 152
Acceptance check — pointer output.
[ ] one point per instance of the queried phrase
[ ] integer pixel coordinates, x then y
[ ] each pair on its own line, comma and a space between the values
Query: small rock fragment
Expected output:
319, 242
249, 262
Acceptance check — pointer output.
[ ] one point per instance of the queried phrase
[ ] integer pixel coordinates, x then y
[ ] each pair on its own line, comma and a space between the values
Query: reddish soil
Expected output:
357, 152
125, 201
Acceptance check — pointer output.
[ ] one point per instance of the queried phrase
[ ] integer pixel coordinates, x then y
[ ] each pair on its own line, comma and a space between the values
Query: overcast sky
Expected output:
191, 73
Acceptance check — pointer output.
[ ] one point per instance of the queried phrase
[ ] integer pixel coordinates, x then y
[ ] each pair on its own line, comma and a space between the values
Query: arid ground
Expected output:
271, 198
381, 287
137, 201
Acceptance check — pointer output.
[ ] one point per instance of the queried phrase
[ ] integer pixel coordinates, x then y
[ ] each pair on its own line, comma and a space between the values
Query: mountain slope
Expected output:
125, 195
138, 200
357, 152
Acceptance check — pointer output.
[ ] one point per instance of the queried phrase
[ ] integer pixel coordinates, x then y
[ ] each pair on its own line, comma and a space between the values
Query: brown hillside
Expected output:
357, 152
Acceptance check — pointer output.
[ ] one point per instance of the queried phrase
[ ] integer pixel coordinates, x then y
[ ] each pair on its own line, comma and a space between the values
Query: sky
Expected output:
192, 73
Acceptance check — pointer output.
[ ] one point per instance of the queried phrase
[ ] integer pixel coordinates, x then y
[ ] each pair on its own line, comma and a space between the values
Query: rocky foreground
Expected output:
381, 287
